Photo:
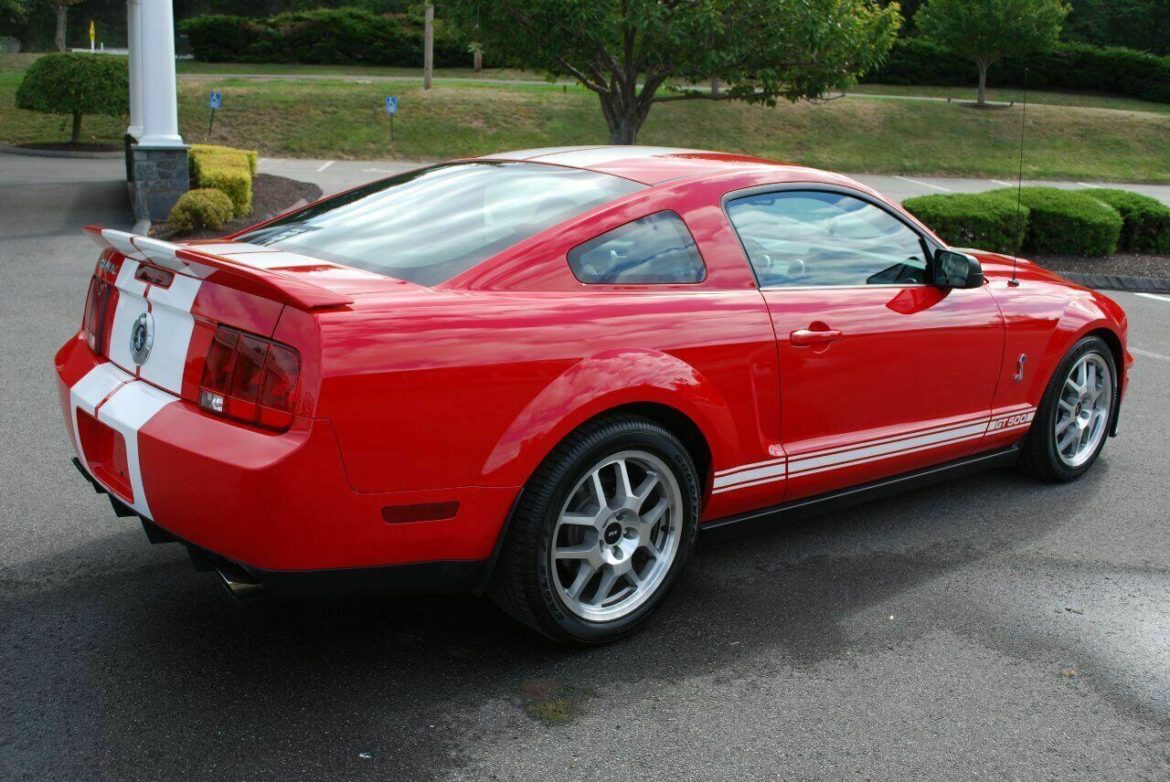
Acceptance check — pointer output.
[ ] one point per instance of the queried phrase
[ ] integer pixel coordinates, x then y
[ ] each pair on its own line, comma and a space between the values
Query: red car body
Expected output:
421, 411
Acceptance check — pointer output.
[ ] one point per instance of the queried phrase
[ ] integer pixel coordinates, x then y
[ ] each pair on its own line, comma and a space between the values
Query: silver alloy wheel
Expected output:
617, 536
1083, 408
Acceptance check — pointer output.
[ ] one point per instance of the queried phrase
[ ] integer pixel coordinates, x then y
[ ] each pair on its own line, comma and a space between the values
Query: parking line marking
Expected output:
1154, 296
923, 184
1149, 354
1086, 184
326, 165
1001, 183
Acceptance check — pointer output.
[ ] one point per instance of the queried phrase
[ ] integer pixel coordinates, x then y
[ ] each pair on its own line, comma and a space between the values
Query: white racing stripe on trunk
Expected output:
173, 325
87, 393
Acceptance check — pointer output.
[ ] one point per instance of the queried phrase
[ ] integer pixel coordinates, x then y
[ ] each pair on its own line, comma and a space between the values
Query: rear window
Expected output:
427, 226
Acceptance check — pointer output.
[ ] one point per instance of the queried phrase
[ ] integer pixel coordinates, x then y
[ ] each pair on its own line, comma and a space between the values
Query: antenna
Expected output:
1014, 281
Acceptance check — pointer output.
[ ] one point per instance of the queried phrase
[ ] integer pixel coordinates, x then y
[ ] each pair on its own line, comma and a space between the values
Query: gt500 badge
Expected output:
1015, 420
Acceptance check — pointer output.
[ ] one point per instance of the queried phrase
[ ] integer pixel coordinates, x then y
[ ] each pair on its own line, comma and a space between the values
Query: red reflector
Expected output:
430, 511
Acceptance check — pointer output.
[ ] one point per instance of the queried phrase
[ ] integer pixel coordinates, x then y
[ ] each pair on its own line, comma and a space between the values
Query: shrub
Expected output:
1145, 224
980, 221
1066, 222
202, 208
76, 84
1069, 66
330, 36
226, 169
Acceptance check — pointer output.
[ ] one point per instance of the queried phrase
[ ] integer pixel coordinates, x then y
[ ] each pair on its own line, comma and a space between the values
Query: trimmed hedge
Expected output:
1069, 66
1066, 222
201, 208
76, 84
982, 221
339, 36
225, 169
1145, 221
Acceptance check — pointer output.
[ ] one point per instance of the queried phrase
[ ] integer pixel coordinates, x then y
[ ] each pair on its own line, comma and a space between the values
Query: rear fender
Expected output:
603, 382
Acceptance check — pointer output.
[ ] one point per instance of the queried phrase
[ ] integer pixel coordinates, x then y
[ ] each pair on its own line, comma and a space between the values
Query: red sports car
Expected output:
539, 374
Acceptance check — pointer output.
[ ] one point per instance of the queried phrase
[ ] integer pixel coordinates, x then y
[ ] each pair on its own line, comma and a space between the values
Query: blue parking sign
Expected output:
215, 100
391, 104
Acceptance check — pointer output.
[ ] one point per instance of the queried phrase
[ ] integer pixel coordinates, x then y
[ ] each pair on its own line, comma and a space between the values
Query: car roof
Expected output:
655, 165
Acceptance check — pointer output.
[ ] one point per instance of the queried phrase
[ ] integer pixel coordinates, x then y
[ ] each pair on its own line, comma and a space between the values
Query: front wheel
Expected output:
601, 533
1075, 414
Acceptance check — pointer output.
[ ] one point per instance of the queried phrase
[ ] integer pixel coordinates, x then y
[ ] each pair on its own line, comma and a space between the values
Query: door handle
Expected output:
807, 337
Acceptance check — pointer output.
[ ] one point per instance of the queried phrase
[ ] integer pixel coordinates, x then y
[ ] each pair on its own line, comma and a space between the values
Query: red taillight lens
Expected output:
250, 379
94, 321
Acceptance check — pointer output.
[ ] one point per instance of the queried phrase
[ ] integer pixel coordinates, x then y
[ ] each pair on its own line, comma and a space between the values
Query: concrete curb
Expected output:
8, 149
1119, 282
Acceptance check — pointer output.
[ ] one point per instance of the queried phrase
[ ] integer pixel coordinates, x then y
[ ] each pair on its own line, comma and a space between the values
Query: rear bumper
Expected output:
279, 505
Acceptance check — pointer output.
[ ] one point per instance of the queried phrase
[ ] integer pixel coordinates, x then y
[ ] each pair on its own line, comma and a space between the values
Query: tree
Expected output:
986, 31
61, 9
76, 84
631, 52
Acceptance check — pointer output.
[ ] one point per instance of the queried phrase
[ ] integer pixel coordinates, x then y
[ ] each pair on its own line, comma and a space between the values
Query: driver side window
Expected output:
808, 237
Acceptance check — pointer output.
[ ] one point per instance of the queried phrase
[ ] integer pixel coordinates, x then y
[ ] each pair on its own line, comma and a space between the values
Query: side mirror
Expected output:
956, 270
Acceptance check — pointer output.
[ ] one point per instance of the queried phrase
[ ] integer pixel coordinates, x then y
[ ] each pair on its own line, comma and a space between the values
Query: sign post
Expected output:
214, 100
391, 109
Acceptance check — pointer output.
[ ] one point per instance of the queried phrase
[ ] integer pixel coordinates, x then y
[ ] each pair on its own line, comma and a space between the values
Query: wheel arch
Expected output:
654, 385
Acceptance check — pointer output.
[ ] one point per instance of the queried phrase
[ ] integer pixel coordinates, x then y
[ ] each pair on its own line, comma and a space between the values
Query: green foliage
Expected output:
1137, 24
1146, 221
1066, 222
763, 50
981, 221
202, 208
226, 169
989, 30
76, 84
342, 36
1067, 67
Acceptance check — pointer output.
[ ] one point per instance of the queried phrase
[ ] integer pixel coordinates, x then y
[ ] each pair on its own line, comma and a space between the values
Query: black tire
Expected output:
522, 581
1039, 457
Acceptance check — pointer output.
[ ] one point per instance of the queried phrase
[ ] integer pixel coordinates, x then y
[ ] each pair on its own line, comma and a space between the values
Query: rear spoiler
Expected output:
193, 262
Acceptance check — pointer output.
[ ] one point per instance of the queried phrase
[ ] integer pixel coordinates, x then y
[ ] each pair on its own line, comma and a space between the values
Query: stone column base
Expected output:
158, 176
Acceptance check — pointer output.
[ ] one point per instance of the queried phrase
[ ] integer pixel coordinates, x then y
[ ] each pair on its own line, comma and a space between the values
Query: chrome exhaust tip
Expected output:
239, 584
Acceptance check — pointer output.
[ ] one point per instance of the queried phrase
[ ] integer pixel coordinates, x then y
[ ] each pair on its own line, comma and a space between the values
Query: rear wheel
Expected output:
601, 532
1075, 414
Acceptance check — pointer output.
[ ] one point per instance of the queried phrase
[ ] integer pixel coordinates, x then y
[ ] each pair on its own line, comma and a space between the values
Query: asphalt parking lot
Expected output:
990, 628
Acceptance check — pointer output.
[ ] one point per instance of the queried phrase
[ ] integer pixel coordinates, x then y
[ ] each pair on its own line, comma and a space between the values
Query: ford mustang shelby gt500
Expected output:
538, 374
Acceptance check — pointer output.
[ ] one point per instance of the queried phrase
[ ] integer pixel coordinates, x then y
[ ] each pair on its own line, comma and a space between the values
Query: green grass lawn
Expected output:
342, 119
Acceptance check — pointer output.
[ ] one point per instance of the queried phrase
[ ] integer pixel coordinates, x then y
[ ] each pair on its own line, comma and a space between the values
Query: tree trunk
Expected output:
624, 117
59, 38
76, 128
716, 86
981, 98
477, 60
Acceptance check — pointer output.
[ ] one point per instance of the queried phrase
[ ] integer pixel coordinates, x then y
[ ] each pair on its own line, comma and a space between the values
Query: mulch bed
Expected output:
271, 195
1157, 266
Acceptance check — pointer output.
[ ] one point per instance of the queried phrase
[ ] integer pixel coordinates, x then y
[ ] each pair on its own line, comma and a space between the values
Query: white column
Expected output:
134, 44
160, 107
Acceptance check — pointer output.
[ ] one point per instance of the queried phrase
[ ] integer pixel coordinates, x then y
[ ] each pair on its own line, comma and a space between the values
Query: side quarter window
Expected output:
817, 238
653, 250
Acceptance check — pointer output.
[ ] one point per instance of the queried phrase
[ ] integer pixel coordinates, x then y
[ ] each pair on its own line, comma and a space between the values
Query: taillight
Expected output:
96, 304
250, 379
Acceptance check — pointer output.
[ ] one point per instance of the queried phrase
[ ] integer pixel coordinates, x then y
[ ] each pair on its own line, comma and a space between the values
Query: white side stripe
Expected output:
889, 446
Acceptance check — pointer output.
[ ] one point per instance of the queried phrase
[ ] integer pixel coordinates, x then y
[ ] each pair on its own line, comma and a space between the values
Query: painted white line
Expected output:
1149, 354
324, 166
1001, 183
1086, 184
1154, 296
923, 184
